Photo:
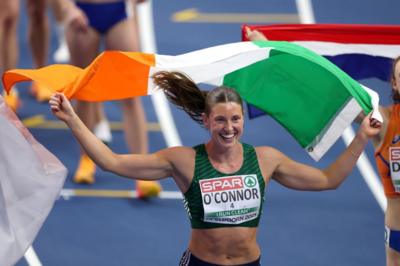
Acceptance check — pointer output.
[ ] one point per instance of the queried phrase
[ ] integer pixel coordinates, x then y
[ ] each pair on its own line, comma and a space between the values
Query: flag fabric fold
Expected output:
30, 180
308, 95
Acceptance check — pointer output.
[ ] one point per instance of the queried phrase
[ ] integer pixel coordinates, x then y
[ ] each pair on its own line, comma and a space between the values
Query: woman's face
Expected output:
396, 78
225, 123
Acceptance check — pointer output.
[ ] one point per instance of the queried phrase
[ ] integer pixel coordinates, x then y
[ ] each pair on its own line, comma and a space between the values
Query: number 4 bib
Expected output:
231, 199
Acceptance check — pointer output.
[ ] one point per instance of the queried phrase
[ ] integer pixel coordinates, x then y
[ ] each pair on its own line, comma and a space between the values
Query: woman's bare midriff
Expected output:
226, 246
393, 213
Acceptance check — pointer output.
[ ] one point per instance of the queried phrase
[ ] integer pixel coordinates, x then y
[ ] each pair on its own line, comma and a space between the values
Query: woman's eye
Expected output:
236, 119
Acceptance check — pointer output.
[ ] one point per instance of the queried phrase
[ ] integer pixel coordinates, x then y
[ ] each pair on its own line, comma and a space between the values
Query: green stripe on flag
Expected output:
355, 89
300, 89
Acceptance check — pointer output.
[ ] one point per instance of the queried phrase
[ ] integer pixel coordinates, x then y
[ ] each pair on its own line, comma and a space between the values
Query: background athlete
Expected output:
387, 155
87, 23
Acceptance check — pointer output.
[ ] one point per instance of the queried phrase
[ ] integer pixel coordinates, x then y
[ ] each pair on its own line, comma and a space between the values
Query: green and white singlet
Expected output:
215, 199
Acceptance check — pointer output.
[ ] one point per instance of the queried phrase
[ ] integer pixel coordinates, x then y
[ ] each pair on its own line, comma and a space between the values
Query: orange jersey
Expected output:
388, 155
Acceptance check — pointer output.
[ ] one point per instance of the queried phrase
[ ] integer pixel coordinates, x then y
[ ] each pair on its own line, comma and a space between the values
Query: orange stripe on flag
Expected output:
55, 77
112, 75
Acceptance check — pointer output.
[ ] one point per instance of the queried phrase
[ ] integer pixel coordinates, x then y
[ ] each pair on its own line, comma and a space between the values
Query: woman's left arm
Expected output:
303, 177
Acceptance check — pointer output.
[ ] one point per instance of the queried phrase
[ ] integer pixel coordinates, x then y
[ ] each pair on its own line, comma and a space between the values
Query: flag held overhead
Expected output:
289, 82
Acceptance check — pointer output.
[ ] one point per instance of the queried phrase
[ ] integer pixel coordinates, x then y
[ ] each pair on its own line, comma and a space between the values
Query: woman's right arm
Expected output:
137, 166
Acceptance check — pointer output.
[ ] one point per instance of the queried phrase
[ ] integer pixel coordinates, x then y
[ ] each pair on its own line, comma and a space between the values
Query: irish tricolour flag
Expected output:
307, 94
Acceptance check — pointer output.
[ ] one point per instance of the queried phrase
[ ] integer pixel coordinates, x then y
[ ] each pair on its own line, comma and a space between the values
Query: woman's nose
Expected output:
228, 126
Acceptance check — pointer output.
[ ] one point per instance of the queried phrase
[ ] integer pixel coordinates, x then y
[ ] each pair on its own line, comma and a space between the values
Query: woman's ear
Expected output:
206, 121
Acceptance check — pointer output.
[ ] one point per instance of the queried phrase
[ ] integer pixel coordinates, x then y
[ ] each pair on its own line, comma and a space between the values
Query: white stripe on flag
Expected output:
335, 129
212, 64
205, 56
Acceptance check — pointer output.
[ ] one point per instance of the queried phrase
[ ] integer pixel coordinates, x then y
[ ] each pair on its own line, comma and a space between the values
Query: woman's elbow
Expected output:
105, 168
332, 180
109, 164
333, 184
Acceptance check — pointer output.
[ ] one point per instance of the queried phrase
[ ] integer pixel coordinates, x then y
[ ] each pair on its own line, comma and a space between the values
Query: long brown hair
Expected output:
395, 93
184, 93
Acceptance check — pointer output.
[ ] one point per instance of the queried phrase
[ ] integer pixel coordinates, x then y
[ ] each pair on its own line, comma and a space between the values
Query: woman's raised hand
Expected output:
370, 127
61, 107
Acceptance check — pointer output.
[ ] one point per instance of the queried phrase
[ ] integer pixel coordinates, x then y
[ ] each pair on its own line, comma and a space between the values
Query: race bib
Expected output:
394, 153
231, 199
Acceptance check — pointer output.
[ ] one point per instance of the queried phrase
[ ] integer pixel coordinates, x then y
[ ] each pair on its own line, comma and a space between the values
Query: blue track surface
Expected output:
342, 227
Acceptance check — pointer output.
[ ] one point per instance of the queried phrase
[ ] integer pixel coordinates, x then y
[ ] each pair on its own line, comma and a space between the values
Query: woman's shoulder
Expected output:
179, 155
179, 150
182, 161
269, 159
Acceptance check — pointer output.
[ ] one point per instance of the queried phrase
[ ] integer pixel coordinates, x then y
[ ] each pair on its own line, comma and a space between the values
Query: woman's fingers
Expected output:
55, 102
375, 123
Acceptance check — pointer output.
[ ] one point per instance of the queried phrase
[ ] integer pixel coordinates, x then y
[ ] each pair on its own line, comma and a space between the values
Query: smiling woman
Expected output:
223, 181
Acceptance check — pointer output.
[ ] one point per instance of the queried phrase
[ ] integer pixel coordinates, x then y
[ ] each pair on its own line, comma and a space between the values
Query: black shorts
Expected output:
188, 259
